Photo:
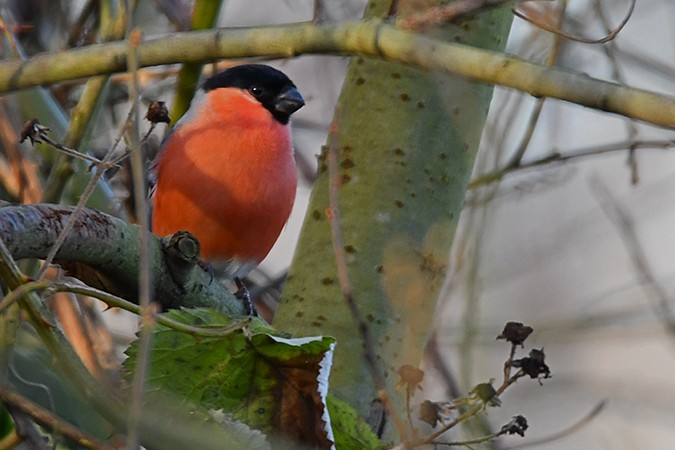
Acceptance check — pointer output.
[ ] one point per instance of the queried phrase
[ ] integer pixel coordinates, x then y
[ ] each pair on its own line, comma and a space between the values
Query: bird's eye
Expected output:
256, 90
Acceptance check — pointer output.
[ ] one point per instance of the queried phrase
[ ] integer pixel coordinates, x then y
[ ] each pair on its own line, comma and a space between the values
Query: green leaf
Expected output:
351, 431
271, 383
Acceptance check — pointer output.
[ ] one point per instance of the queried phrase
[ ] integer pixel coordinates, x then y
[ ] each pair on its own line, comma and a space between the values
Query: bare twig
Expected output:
37, 133
559, 158
597, 409
611, 50
101, 167
538, 107
434, 354
556, 30
145, 294
626, 227
443, 13
49, 287
50, 420
508, 365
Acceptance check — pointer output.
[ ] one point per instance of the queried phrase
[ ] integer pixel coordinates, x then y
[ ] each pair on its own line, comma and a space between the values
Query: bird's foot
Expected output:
245, 296
208, 268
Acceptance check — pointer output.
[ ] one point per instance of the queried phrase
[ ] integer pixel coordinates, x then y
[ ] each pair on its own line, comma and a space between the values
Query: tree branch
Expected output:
108, 247
369, 38
50, 420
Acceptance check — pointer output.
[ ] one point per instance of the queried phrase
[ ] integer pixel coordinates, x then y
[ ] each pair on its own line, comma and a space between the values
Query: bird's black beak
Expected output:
289, 101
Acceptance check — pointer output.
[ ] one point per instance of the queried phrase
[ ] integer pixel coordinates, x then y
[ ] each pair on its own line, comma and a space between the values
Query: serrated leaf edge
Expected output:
322, 378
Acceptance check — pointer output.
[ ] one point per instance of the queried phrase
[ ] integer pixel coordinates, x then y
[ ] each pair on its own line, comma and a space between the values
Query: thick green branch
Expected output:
109, 247
371, 38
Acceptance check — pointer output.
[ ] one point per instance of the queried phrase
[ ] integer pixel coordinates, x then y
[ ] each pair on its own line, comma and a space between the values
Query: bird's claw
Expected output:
245, 296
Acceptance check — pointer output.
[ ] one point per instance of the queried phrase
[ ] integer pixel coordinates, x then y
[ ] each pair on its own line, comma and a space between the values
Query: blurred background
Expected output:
576, 242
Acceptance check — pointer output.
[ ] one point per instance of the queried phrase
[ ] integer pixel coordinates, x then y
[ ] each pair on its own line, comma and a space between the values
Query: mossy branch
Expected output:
108, 247
370, 37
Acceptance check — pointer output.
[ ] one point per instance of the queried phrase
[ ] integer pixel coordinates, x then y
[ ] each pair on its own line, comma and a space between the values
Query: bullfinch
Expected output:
226, 171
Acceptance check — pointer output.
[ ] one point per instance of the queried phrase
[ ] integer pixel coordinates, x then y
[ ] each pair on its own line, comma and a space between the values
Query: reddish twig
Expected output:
443, 13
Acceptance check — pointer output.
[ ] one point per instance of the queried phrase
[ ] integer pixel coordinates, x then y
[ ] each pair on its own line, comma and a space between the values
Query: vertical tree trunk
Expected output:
408, 140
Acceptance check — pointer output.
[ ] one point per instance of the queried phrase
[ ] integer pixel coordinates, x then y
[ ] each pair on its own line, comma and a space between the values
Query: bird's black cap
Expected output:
273, 89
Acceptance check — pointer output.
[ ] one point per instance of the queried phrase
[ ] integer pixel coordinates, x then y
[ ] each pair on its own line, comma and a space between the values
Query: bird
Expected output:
226, 171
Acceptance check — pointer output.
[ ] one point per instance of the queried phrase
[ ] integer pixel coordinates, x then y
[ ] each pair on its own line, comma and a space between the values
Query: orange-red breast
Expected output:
226, 171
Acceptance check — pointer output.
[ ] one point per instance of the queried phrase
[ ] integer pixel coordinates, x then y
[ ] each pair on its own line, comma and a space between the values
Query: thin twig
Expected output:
539, 106
433, 353
507, 363
626, 227
611, 50
478, 440
441, 14
556, 30
508, 381
557, 157
113, 301
48, 419
147, 311
56, 343
38, 386
567, 431
101, 166
69, 151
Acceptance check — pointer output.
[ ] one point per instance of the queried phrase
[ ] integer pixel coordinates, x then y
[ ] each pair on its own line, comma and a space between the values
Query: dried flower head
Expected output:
534, 365
430, 412
487, 394
158, 112
517, 425
515, 333
33, 131
411, 377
